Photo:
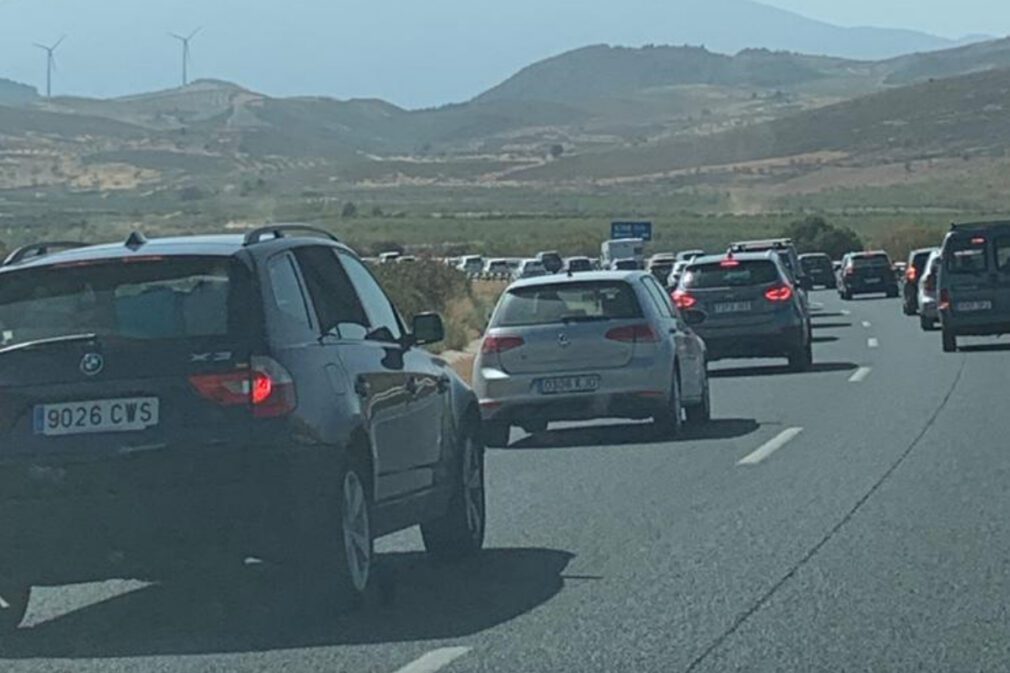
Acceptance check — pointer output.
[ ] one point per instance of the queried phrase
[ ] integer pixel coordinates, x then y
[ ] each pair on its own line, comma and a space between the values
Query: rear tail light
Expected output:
944, 303
910, 274
500, 344
640, 333
779, 293
684, 300
267, 387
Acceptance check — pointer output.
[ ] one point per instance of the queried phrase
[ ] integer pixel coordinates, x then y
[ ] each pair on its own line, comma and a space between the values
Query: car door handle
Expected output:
362, 387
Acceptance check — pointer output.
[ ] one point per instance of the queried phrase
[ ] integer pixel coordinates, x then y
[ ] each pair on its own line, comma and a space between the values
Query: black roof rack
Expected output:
40, 250
274, 231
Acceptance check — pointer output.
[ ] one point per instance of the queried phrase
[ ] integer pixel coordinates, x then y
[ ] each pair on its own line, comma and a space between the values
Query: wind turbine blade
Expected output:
193, 34
41, 46
59, 42
178, 37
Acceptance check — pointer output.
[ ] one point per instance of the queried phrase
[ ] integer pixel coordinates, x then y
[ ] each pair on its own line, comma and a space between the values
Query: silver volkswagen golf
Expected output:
607, 344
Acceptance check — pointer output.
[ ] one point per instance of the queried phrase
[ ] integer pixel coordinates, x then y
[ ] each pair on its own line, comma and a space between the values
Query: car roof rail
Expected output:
40, 249
275, 231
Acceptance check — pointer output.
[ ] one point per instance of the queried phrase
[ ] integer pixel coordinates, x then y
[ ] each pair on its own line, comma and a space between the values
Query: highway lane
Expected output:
872, 538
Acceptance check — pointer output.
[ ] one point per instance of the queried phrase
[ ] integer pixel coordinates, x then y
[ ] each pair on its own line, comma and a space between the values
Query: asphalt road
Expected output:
856, 517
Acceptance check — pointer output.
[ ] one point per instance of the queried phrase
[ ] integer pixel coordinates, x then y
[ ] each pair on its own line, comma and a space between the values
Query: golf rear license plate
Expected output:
872, 281
125, 414
569, 384
733, 307
968, 306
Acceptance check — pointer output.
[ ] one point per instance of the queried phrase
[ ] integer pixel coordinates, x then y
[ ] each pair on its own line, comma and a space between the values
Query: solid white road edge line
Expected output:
872, 343
860, 374
770, 447
434, 660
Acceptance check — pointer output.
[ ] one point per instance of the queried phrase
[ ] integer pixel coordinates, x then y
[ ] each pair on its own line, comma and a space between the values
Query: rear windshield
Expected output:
966, 255
813, 263
567, 302
731, 274
580, 265
871, 262
919, 260
174, 298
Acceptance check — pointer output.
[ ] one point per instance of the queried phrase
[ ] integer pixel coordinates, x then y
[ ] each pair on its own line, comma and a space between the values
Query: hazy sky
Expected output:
412, 52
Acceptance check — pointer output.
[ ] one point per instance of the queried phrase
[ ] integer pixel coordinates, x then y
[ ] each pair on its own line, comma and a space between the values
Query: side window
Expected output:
287, 290
382, 316
659, 297
338, 309
1002, 253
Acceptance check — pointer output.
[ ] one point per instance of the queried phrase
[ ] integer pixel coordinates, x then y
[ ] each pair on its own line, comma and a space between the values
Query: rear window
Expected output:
170, 298
580, 265
731, 274
966, 255
871, 262
919, 261
814, 263
567, 302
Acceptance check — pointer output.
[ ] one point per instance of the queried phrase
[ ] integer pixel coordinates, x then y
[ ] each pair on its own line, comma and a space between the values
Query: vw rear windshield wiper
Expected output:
51, 341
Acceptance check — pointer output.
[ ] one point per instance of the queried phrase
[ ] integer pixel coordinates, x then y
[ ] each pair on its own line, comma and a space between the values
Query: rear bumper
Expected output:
977, 325
573, 408
928, 308
753, 341
77, 522
860, 287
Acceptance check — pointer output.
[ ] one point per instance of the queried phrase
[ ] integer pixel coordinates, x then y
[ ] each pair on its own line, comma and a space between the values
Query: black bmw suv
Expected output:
174, 403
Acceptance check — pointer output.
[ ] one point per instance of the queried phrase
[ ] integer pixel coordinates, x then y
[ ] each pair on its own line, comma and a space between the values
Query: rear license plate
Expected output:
126, 414
967, 306
569, 384
733, 307
872, 281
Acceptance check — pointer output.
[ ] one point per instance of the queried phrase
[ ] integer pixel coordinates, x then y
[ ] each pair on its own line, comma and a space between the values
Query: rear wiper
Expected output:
38, 343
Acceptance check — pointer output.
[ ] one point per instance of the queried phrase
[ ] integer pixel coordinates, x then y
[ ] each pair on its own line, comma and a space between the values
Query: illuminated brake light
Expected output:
267, 387
729, 263
500, 344
978, 240
640, 333
779, 294
684, 300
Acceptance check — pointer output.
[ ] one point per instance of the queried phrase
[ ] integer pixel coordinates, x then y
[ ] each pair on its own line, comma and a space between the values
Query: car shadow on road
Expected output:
824, 339
632, 433
780, 370
829, 325
984, 348
828, 314
428, 601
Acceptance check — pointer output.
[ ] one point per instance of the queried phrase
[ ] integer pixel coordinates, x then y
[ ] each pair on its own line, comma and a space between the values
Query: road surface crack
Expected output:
806, 558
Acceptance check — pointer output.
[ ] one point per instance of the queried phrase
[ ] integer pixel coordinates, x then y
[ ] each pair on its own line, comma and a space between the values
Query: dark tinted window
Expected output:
382, 318
870, 262
731, 273
169, 298
338, 308
1002, 245
287, 291
966, 255
815, 263
919, 261
556, 303
580, 265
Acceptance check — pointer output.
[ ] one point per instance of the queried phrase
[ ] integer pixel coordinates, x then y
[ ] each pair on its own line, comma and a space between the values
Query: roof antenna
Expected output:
136, 240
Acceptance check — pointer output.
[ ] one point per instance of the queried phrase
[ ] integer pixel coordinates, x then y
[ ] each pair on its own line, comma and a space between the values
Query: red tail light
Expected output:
500, 344
944, 303
910, 274
779, 293
684, 300
641, 333
266, 387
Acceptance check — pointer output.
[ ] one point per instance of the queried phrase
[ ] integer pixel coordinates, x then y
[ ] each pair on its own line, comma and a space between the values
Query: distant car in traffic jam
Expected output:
866, 273
550, 260
745, 305
529, 268
974, 295
593, 345
818, 266
914, 270
926, 300
578, 265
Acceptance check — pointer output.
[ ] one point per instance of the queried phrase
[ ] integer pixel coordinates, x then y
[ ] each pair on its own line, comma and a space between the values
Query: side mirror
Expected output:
427, 328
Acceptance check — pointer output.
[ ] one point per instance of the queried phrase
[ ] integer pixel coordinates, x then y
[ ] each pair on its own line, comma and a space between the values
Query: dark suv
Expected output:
180, 404
866, 273
818, 266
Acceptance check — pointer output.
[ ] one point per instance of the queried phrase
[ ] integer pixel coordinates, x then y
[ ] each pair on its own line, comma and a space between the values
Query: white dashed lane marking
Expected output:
866, 324
434, 660
860, 374
770, 447
872, 343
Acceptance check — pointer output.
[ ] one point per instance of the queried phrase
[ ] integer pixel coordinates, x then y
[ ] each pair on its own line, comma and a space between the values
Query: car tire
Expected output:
926, 324
14, 606
845, 295
892, 293
908, 309
459, 532
496, 435
802, 358
699, 414
669, 422
949, 341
